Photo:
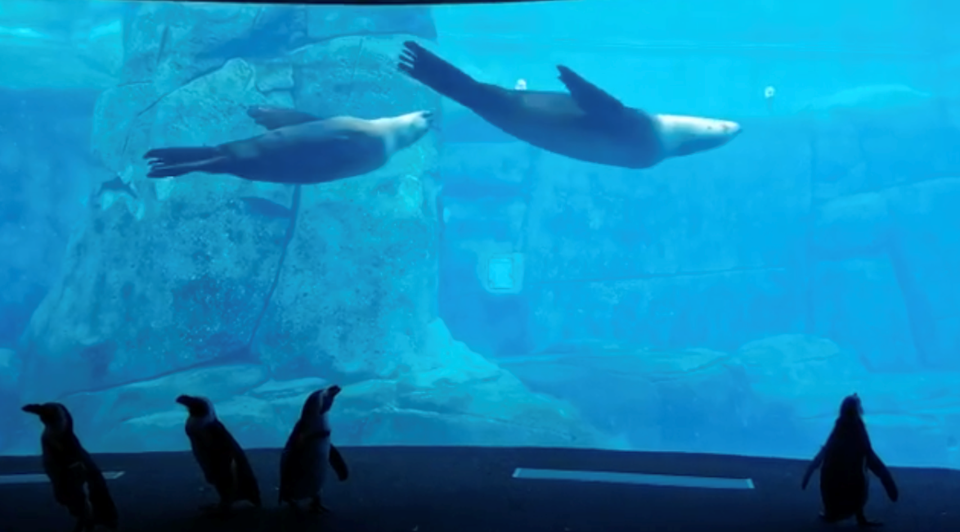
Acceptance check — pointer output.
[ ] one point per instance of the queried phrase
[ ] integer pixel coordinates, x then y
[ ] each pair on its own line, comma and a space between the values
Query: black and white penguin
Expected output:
303, 464
224, 464
843, 461
77, 482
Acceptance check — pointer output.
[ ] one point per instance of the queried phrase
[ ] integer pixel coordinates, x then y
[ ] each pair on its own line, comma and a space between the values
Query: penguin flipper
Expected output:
104, 509
247, 485
814, 465
338, 464
876, 465
231, 467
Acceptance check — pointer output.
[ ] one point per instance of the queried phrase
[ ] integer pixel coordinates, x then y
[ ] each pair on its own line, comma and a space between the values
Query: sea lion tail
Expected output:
173, 162
438, 74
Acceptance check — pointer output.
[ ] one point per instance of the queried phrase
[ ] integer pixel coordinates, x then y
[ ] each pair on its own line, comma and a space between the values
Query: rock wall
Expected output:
46, 180
834, 222
255, 294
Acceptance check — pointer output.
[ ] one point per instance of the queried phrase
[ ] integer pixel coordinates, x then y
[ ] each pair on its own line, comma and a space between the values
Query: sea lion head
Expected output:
408, 129
686, 135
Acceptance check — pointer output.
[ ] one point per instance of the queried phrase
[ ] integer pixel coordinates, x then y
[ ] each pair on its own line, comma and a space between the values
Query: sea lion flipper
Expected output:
277, 117
338, 464
590, 98
880, 469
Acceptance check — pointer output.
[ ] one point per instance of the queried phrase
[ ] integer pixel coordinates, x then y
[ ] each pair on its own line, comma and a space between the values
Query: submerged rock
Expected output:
256, 294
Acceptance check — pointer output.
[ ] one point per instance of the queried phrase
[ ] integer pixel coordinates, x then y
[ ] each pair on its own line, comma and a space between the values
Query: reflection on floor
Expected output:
461, 489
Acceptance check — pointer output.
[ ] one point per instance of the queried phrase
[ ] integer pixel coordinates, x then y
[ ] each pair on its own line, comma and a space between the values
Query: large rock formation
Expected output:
251, 293
837, 222
834, 222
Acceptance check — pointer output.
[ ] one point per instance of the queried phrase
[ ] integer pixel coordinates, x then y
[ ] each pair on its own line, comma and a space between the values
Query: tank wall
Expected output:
476, 290
723, 302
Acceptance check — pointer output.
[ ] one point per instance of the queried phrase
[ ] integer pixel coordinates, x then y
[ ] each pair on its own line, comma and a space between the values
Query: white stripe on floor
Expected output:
37, 478
636, 478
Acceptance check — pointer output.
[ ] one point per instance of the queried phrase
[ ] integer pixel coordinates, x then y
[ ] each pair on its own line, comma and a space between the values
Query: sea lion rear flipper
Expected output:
814, 464
590, 98
277, 117
338, 464
177, 161
880, 469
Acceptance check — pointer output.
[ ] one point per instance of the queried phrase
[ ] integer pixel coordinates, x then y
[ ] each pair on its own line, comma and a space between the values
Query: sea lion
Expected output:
298, 149
587, 124
843, 462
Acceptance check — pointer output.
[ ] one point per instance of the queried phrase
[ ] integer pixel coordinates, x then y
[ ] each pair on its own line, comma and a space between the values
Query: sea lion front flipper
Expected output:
338, 464
276, 117
590, 98
878, 468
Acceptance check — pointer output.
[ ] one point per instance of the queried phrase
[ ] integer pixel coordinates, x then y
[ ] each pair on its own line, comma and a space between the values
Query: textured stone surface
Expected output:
444, 395
186, 286
828, 221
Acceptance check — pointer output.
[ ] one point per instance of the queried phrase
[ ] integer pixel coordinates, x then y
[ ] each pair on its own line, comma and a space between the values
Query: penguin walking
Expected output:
77, 482
220, 457
843, 461
303, 464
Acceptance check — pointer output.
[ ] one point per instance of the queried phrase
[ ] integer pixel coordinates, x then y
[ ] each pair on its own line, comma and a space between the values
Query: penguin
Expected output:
220, 457
70, 468
308, 450
843, 461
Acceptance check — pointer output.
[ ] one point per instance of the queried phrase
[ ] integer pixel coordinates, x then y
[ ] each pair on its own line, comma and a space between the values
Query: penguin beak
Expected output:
185, 400
32, 409
333, 391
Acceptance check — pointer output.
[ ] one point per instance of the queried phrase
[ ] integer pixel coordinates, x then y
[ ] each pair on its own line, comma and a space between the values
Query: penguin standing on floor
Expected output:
77, 482
843, 462
224, 464
303, 464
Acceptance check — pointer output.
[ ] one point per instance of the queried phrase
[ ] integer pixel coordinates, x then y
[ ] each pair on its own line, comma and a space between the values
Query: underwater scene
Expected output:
686, 227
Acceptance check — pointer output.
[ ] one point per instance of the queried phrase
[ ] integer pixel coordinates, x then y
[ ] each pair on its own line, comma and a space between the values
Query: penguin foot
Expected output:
215, 510
318, 508
864, 523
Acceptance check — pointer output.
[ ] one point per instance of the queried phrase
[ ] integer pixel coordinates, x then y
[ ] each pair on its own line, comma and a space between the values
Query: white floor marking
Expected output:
38, 478
636, 478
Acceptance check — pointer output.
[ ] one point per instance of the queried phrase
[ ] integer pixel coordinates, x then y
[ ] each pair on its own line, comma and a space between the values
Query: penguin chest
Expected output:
213, 456
310, 469
67, 474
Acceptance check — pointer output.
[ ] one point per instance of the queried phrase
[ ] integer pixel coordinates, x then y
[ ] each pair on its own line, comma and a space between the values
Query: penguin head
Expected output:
54, 416
320, 402
851, 407
197, 406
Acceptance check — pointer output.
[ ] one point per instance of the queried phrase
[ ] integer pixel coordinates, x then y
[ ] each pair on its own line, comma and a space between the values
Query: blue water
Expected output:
477, 290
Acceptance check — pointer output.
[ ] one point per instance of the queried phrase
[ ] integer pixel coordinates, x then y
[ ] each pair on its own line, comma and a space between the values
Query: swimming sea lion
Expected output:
298, 149
843, 462
587, 124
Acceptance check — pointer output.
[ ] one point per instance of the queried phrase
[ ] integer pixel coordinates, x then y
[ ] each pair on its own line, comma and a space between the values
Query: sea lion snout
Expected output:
427, 117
